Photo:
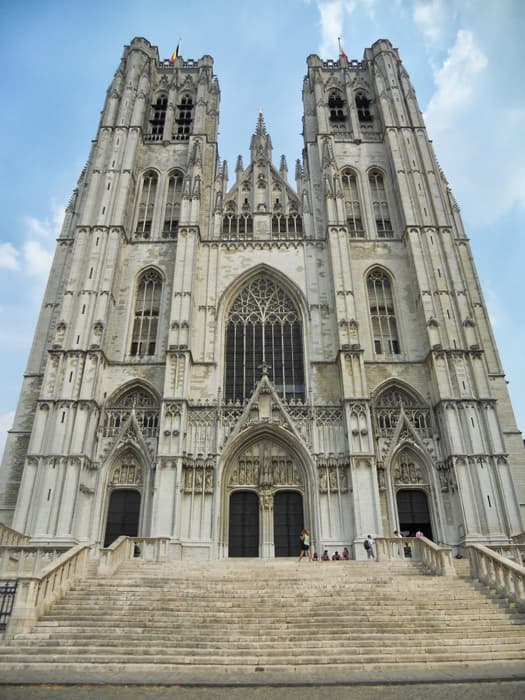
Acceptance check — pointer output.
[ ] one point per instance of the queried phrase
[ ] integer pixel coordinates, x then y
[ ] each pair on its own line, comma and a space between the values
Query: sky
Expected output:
465, 59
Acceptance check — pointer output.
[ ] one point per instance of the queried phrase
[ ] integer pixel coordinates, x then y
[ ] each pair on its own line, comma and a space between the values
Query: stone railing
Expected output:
514, 552
125, 548
26, 559
497, 572
35, 594
435, 558
10, 537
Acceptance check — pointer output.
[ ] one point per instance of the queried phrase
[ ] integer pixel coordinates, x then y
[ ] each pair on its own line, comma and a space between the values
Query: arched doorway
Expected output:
243, 540
288, 521
413, 513
123, 515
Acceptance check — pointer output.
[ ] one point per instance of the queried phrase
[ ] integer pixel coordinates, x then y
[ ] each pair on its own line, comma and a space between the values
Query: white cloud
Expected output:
48, 227
431, 18
331, 15
8, 256
6, 422
37, 259
455, 82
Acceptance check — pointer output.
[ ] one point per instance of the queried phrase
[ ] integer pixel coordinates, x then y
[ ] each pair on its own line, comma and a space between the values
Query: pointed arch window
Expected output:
172, 212
144, 406
146, 207
184, 118
352, 205
336, 107
362, 104
382, 314
158, 119
146, 315
380, 205
264, 334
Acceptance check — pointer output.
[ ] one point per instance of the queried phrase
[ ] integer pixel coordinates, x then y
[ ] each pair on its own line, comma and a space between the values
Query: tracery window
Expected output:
387, 411
380, 205
158, 119
173, 200
336, 107
142, 403
382, 314
352, 205
146, 314
184, 118
264, 335
146, 207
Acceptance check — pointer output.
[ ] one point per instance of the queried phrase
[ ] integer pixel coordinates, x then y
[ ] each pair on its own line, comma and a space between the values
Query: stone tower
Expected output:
223, 365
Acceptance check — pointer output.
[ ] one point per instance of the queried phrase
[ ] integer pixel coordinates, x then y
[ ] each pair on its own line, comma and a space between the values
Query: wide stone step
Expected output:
243, 660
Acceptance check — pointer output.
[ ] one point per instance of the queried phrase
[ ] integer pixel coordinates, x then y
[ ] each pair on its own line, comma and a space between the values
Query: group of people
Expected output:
344, 556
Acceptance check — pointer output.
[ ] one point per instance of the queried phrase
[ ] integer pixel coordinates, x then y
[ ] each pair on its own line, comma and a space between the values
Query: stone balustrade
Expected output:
10, 537
17, 560
124, 548
499, 573
35, 594
515, 552
435, 558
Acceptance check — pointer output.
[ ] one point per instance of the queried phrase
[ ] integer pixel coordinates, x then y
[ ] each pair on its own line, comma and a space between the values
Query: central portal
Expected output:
288, 521
264, 492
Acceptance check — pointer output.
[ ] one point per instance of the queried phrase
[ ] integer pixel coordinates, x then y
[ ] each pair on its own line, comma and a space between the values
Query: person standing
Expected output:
369, 546
305, 544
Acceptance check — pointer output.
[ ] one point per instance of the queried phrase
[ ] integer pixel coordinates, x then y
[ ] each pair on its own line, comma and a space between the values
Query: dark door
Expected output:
243, 540
412, 508
123, 515
288, 521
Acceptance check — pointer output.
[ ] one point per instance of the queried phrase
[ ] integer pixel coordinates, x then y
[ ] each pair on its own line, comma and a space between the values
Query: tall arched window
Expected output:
158, 118
382, 314
184, 118
146, 316
264, 335
172, 211
336, 107
352, 205
147, 204
380, 205
362, 104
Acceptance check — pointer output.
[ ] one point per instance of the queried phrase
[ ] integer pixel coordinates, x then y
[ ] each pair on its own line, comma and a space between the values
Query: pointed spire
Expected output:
239, 169
283, 169
261, 143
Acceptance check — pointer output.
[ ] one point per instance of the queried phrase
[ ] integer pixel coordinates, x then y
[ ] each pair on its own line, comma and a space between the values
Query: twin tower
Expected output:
224, 363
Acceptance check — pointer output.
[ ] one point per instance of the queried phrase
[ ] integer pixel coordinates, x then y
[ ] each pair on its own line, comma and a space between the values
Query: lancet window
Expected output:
380, 205
288, 227
146, 206
158, 119
362, 104
264, 336
184, 118
336, 107
387, 411
237, 227
352, 205
173, 200
382, 313
146, 314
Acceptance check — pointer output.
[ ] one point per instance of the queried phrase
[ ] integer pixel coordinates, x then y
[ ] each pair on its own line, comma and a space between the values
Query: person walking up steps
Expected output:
305, 544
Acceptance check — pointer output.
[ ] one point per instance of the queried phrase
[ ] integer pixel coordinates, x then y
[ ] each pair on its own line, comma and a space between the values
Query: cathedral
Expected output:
224, 362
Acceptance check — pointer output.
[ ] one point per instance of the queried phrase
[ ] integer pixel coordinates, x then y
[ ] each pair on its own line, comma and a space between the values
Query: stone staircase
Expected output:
252, 614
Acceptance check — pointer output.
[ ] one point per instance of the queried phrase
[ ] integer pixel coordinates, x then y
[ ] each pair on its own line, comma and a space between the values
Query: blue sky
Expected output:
465, 59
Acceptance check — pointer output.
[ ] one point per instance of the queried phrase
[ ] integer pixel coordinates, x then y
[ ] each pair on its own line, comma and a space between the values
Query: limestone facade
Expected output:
220, 364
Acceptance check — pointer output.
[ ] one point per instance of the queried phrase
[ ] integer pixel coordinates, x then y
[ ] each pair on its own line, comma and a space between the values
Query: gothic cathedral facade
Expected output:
222, 365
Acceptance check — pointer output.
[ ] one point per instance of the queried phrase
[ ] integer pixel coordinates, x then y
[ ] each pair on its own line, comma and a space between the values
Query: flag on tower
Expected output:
341, 52
175, 54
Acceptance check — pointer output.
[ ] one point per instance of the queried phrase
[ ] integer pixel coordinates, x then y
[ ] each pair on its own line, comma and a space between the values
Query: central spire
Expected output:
261, 143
